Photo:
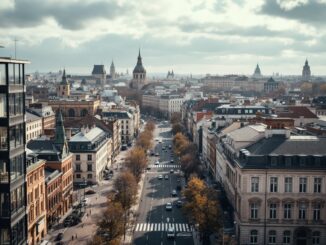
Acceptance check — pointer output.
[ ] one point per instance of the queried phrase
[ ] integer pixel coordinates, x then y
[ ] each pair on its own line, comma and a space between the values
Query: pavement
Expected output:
152, 220
82, 233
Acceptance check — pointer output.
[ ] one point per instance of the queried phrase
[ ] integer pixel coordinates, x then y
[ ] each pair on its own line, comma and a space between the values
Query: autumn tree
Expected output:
178, 128
136, 162
126, 186
202, 208
180, 143
144, 140
150, 125
189, 164
175, 118
111, 223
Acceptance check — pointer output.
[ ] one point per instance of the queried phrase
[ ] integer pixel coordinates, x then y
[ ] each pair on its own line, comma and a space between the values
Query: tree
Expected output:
111, 224
180, 143
178, 128
189, 164
306, 88
126, 186
175, 118
136, 162
150, 125
202, 208
145, 140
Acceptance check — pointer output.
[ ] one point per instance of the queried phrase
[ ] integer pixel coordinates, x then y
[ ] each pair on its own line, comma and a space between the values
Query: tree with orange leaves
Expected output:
136, 162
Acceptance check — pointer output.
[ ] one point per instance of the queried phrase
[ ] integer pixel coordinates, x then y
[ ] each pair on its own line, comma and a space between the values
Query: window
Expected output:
287, 211
2, 78
253, 210
287, 237
273, 184
89, 167
288, 184
316, 212
89, 176
302, 211
303, 185
77, 176
317, 185
316, 238
78, 157
78, 169
89, 157
254, 237
272, 237
254, 184
272, 210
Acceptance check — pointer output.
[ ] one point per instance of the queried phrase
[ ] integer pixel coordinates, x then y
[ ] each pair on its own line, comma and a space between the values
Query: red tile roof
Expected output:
297, 112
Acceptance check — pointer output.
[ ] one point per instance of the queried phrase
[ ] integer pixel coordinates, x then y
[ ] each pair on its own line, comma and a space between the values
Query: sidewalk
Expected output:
134, 211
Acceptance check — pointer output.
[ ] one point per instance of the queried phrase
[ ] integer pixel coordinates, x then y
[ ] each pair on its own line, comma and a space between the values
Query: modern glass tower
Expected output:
13, 215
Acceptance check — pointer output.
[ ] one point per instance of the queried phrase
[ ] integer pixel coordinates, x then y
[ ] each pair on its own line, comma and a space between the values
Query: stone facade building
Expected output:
139, 75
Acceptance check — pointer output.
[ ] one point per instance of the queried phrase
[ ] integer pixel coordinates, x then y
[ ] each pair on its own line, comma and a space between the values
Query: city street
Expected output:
154, 220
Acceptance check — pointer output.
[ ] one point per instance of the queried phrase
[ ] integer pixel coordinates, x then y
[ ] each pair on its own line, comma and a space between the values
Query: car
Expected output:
157, 139
152, 153
148, 168
174, 193
171, 161
157, 162
171, 171
170, 233
157, 154
170, 146
168, 206
160, 141
59, 237
160, 176
166, 177
90, 191
178, 179
107, 177
179, 204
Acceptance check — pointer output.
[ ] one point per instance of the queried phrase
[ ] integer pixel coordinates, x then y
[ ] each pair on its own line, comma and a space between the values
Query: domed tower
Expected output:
139, 74
257, 73
63, 89
306, 73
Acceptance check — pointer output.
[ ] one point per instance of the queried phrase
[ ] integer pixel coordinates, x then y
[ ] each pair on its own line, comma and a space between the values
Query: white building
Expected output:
91, 155
33, 126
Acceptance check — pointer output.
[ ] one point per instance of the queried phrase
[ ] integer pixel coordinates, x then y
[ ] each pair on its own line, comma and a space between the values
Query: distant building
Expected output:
300, 114
44, 111
99, 73
306, 73
63, 89
170, 75
33, 126
112, 71
257, 72
139, 74
91, 156
271, 86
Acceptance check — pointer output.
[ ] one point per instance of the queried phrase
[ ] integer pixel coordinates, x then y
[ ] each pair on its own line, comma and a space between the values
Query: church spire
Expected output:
60, 140
64, 78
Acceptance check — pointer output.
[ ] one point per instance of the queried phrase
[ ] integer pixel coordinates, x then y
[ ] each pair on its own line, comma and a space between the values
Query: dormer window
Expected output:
274, 161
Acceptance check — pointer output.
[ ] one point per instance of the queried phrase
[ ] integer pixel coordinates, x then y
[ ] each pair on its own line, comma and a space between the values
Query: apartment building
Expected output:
36, 199
33, 126
90, 155
13, 210
276, 185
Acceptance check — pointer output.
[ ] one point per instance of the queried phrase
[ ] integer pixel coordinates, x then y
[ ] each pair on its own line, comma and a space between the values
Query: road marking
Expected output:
141, 227
155, 227
187, 227
137, 226
147, 227
152, 227
184, 227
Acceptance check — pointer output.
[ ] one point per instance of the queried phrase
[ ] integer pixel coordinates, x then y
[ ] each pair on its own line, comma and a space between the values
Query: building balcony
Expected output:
17, 88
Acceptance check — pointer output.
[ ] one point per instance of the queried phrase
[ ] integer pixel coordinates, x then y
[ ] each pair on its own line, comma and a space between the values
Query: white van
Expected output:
171, 232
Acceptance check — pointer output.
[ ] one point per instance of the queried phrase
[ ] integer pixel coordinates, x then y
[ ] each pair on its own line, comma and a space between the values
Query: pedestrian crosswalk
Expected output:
178, 227
164, 166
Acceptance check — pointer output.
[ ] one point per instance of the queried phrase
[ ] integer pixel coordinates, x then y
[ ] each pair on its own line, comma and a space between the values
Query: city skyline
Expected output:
198, 37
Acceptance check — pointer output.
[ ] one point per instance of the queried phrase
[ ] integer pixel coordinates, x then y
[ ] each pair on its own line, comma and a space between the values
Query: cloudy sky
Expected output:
188, 36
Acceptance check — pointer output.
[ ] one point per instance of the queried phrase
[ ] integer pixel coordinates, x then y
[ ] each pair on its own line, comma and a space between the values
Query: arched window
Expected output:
71, 112
83, 112
253, 237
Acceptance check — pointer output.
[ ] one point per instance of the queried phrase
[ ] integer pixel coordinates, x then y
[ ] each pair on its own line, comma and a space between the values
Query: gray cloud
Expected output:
232, 30
29, 13
313, 12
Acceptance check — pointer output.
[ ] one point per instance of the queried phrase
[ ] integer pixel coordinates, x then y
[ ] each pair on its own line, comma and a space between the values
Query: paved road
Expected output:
153, 220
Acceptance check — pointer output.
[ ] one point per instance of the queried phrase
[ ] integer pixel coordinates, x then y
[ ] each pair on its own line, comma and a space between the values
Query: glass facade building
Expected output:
13, 218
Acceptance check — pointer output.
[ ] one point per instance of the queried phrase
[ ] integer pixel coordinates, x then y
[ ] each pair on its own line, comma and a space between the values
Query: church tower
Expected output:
306, 73
63, 89
112, 71
139, 74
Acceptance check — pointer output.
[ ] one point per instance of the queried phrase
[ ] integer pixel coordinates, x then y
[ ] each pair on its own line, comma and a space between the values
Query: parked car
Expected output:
171, 161
171, 171
166, 177
59, 237
157, 162
160, 176
179, 204
90, 191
